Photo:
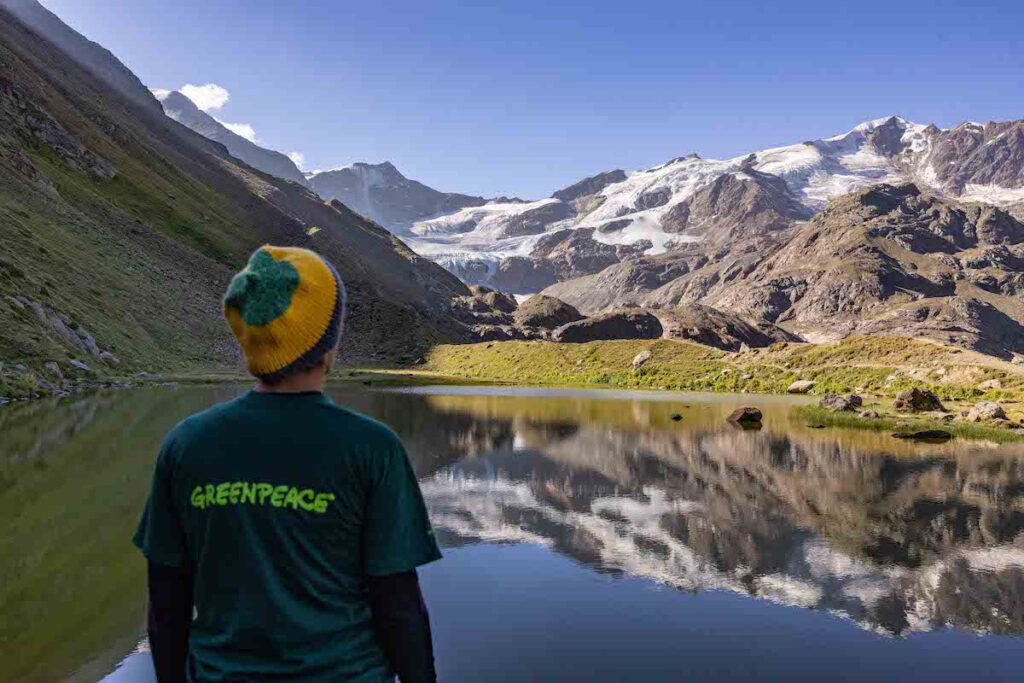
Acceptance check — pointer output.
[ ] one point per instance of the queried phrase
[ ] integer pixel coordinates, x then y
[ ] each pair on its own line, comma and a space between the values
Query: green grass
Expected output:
877, 366
905, 423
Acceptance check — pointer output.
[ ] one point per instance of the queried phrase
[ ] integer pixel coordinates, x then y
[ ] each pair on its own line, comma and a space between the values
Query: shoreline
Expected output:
874, 367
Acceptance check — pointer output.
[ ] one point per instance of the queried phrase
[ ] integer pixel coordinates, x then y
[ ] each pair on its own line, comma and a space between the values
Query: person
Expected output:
282, 531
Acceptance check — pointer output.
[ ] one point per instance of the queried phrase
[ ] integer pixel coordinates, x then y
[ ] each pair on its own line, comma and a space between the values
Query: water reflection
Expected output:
896, 537
896, 540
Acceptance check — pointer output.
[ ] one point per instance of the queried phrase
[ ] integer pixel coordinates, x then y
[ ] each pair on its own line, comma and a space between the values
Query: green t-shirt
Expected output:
282, 505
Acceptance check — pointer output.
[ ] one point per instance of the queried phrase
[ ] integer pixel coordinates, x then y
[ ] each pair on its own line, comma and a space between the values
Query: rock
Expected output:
546, 312
815, 426
917, 401
110, 359
925, 435
720, 329
835, 402
496, 300
801, 386
79, 365
21, 367
986, 410
745, 416
623, 324
990, 384
53, 369
868, 415
676, 417
640, 359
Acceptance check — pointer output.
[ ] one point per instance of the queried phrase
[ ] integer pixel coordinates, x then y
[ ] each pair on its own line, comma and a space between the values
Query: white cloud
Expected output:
160, 93
243, 129
298, 158
208, 97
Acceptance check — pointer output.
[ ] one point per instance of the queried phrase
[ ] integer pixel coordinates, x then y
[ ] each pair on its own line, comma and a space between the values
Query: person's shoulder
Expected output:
363, 429
198, 425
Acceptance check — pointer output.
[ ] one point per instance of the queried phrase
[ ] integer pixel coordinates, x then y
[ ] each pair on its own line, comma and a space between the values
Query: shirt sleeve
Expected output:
160, 535
397, 536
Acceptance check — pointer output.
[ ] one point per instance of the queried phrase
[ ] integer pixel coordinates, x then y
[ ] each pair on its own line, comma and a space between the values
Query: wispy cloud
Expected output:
298, 158
160, 93
243, 129
208, 97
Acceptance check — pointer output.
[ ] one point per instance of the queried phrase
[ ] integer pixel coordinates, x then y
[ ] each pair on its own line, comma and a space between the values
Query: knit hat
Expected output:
286, 308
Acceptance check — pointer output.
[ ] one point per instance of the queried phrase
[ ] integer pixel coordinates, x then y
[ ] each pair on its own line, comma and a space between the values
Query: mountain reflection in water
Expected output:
897, 539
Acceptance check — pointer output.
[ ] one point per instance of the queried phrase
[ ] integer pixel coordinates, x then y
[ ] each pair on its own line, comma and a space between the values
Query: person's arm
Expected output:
170, 618
402, 625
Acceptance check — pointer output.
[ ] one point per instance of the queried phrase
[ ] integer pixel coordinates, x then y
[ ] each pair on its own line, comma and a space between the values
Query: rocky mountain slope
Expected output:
716, 202
883, 260
90, 55
382, 194
120, 228
185, 112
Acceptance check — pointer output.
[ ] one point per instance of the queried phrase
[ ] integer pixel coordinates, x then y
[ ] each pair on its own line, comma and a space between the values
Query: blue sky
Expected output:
526, 97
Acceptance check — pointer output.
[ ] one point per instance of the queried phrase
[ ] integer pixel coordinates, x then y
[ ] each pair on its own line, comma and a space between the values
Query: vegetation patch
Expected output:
906, 423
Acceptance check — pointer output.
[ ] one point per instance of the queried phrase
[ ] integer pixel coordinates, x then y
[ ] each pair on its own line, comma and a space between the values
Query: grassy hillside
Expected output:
119, 230
879, 366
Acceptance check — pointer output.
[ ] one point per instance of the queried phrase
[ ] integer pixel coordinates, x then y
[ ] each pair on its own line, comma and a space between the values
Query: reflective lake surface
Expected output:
587, 535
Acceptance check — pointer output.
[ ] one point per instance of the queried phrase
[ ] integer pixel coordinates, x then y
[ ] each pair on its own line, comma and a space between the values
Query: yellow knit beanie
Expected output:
286, 309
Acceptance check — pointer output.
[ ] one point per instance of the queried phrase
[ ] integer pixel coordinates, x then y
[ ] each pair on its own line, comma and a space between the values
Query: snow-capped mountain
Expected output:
663, 207
381, 193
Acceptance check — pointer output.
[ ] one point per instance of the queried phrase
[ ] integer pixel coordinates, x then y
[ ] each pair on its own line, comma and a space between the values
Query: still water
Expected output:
587, 537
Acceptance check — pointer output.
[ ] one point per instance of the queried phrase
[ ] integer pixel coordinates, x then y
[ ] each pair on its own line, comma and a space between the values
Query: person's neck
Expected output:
303, 383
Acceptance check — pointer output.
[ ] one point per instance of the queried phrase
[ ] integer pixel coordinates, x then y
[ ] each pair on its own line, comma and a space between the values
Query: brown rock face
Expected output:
614, 325
979, 154
917, 401
736, 205
711, 327
545, 312
522, 274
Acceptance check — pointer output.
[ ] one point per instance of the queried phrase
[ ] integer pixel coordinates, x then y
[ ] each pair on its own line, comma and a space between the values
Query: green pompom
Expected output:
263, 291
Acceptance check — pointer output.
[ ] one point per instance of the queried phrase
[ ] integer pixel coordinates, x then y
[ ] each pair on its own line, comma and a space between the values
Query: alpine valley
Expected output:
125, 209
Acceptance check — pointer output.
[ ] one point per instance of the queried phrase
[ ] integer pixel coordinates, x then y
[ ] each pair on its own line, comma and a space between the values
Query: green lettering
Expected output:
292, 498
278, 498
248, 492
265, 490
236, 488
210, 499
303, 496
321, 501
197, 498
222, 493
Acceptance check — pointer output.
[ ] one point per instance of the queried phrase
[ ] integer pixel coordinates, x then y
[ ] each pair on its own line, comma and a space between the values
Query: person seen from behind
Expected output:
282, 531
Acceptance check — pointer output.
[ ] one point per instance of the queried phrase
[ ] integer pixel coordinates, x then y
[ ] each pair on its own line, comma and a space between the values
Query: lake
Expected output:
587, 535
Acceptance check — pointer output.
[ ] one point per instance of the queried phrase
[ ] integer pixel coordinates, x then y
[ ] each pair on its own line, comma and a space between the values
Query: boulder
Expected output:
545, 312
835, 402
986, 410
54, 370
110, 359
990, 384
496, 300
801, 386
641, 358
917, 401
625, 324
926, 435
79, 365
745, 416
720, 329
868, 415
